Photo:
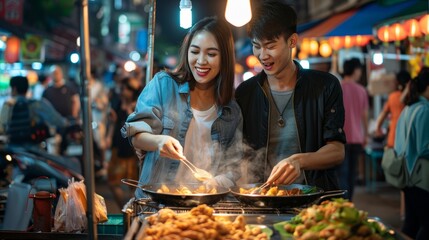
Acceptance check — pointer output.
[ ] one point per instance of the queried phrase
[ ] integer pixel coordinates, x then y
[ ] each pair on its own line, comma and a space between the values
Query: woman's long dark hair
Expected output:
225, 79
417, 86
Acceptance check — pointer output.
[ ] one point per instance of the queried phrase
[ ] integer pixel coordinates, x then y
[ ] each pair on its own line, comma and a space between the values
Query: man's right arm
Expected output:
49, 114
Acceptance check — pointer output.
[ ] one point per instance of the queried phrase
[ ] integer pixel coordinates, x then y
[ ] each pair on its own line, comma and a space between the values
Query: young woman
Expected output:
414, 121
190, 112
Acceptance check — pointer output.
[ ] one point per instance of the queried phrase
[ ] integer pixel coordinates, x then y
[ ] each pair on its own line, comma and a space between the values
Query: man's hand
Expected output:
285, 172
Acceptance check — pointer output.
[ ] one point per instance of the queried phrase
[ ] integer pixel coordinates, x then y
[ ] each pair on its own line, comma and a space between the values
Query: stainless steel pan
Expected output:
316, 195
180, 200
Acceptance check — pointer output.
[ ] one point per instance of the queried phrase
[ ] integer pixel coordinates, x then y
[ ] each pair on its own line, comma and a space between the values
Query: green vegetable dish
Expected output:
334, 219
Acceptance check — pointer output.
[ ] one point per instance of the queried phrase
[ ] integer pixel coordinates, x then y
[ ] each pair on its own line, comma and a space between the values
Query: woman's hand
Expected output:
170, 147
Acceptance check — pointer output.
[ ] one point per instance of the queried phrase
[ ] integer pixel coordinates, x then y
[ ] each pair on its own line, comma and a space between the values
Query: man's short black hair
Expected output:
20, 83
350, 65
271, 19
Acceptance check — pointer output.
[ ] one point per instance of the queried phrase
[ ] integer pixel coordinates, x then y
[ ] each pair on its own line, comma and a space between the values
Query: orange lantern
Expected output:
314, 47
325, 49
384, 34
424, 24
412, 28
11, 53
252, 61
397, 32
348, 41
305, 45
336, 43
362, 40
302, 55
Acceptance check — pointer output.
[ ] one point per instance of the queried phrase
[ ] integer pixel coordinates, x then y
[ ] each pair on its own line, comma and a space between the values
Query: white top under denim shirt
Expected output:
163, 107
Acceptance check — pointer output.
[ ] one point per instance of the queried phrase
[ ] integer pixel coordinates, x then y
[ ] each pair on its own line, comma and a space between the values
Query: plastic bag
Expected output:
76, 208
70, 214
100, 210
60, 211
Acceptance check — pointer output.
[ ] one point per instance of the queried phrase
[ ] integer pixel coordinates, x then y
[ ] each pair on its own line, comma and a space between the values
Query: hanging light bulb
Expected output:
238, 12
185, 14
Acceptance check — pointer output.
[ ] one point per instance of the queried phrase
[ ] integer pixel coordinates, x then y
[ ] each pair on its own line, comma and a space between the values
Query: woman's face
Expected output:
204, 58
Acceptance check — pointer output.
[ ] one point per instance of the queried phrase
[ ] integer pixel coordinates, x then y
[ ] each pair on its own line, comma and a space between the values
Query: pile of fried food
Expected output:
183, 190
198, 223
272, 191
335, 219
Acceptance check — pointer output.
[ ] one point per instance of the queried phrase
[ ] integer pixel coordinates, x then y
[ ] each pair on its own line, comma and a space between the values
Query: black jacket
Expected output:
319, 113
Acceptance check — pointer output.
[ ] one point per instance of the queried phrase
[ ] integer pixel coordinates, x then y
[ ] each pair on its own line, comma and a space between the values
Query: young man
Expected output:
293, 117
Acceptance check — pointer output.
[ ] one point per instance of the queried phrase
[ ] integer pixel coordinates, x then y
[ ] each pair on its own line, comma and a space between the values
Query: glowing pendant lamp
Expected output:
238, 12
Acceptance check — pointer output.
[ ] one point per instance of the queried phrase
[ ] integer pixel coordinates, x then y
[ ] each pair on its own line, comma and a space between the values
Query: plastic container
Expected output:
114, 225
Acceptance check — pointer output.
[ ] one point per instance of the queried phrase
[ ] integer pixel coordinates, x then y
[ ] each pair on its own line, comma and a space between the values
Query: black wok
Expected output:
179, 200
301, 200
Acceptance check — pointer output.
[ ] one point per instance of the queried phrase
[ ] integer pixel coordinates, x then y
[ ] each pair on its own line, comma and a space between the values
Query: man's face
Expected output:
57, 75
275, 55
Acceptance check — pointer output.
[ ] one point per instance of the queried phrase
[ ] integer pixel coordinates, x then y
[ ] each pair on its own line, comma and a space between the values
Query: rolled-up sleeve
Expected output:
148, 112
334, 114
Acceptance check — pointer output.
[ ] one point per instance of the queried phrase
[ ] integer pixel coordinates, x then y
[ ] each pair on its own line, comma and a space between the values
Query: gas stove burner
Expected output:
147, 206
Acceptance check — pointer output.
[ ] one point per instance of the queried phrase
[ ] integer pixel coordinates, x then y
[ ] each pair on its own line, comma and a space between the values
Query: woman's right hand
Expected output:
170, 147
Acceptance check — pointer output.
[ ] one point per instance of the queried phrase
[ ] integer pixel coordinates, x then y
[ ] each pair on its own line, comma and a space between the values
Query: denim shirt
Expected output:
163, 107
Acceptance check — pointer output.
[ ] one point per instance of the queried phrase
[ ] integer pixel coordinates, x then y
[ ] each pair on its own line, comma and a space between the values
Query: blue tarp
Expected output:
363, 21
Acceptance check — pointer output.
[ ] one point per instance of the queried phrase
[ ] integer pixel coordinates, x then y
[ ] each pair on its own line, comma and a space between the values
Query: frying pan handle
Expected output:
331, 194
131, 182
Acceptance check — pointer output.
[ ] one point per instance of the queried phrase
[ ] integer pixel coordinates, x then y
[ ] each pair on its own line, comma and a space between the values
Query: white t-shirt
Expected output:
198, 143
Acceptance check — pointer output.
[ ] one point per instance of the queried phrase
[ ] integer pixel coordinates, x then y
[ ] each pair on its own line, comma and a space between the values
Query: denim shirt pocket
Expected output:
167, 125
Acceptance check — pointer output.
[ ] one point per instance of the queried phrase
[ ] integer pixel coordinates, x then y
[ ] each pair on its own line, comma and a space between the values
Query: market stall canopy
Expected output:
358, 21
418, 9
327, 25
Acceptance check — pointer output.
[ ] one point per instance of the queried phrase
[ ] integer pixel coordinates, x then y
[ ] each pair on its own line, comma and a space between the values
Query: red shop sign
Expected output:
12, 11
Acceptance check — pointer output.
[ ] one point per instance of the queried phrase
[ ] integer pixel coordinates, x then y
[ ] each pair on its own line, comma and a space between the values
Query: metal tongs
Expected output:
260, 188
200, 174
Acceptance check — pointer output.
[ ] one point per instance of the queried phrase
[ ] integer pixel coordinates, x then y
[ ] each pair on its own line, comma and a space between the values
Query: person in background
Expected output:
69, 106
356, 123
393, 107
41, 85
99, 109
190, 113
64, 98
40, 111
292, 117
416, 194
123, 159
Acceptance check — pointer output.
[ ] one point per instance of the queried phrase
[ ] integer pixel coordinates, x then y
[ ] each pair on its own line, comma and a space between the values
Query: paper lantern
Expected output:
325, 49
252, 61
302, 55
305, 45
11, 53
349, 41
336, 43
384, 34
314, 47
397, 32
362, 40
412, 28
424, 24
